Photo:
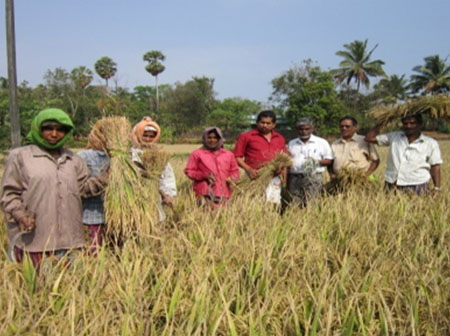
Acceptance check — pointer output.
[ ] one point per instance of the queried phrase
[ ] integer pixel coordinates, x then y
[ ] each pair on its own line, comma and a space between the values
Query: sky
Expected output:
242, 44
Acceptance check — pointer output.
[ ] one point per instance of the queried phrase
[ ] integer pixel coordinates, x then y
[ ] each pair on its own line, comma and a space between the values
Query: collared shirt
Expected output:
35, 183
409, 163
256, 149
353, 153
315, 148
97, 162
222, 165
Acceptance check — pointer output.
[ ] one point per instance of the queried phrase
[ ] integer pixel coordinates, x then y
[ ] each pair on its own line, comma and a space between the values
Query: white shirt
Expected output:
316, 148
409, 163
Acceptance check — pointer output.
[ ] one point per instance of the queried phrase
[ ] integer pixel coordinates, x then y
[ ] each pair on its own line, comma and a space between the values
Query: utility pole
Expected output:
12, 74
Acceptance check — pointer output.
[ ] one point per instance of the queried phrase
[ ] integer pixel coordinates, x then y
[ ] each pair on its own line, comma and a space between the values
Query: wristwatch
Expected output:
437, 188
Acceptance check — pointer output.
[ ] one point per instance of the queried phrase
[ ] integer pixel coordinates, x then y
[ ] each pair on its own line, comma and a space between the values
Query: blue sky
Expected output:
243, 44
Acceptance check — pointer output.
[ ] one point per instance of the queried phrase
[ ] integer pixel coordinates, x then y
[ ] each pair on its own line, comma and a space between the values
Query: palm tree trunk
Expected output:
157, 94
12, 74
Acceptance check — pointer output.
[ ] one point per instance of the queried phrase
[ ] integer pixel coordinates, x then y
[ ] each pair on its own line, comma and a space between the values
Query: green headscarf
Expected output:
35, 134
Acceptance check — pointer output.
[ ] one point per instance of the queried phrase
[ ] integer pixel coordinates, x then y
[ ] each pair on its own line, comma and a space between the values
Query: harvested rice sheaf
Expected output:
154, 161
349, 179
257, 187
131, 201
437, 107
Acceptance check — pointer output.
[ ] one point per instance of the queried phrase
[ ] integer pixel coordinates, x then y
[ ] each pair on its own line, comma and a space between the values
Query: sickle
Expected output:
12, 243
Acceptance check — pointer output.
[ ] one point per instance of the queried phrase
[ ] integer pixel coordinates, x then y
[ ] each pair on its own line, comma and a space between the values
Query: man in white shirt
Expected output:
310, 156
413, 159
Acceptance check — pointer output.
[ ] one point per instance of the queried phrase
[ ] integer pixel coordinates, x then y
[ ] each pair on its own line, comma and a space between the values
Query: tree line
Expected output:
305, 89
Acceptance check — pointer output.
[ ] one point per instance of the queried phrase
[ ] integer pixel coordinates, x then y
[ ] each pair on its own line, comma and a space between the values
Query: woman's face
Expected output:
53, 132
148, 136
212, 140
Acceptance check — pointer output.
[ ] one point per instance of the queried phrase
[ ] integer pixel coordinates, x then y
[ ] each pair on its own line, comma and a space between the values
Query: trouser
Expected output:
302, 188
418, 189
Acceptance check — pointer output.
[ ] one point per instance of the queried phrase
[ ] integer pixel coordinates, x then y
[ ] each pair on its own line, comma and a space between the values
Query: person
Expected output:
257, 147
212, 168
42, 187
413, 158
144, 135
97, 160
310, 155
351, 151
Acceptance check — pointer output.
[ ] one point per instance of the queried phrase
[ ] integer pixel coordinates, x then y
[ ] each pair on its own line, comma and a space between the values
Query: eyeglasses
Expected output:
344, 126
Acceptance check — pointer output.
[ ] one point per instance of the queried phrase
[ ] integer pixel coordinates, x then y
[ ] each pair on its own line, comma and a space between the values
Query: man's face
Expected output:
305, 131
212, 139
411, 126
53, 133
265, 125
148, 136
347, 128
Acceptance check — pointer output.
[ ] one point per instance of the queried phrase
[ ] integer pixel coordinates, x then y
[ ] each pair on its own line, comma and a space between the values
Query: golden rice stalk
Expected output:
131, 201
351, 178
257, 187
437, 106
154, 161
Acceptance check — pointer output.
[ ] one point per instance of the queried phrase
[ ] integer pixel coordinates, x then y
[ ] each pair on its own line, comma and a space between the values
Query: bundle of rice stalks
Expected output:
435, 106
154, 161
256, 188
347, 179
130, 200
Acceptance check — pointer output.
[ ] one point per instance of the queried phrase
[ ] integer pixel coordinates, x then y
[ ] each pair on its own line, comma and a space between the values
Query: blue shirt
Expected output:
97, 162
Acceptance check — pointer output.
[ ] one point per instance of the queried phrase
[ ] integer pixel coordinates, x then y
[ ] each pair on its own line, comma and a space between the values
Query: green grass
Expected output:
356, 264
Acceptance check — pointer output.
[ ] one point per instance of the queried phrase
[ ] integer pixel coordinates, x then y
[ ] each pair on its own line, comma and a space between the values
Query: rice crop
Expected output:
131, 199
363, 263
256, 187
437, 107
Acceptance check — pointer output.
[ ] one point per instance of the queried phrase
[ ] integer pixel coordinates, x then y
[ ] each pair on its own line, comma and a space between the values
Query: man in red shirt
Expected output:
257, 147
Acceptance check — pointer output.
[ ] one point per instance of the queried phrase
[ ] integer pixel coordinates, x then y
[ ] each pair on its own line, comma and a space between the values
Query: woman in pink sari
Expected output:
213, 169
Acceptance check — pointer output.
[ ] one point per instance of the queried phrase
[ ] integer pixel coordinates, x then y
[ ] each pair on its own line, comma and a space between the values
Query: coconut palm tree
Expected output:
356, 64
431, 78
155, 67
392, 89
105, 68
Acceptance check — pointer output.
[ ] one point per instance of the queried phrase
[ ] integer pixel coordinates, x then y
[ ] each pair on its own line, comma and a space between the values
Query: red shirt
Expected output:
257, 149
222, 165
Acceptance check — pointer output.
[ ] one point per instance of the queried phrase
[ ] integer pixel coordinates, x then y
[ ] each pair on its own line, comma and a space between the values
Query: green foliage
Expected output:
391, 90
356, 64
188, 104
307, 91
154, 59
232, 113
431, 78
105, 68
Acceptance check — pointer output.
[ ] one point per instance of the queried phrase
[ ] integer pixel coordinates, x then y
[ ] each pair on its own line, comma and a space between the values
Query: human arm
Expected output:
373, 166
167, 185
192, 169
233, 172
435, 172
252, 172
371, 136
91, 186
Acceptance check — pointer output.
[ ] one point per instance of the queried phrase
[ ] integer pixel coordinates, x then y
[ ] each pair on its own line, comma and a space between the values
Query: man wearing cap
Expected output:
351, 151
413, 158
310, 155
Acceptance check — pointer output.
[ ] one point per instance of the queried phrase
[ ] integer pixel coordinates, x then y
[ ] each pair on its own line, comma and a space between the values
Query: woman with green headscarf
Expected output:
42, 188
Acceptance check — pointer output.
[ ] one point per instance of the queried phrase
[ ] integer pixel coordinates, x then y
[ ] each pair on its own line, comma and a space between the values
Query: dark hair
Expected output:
267, 114
353, 120
417, 116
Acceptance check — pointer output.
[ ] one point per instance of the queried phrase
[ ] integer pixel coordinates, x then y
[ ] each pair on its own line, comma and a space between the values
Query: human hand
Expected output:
253, 173
27, 223
211, 179
167, 200
435, 191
